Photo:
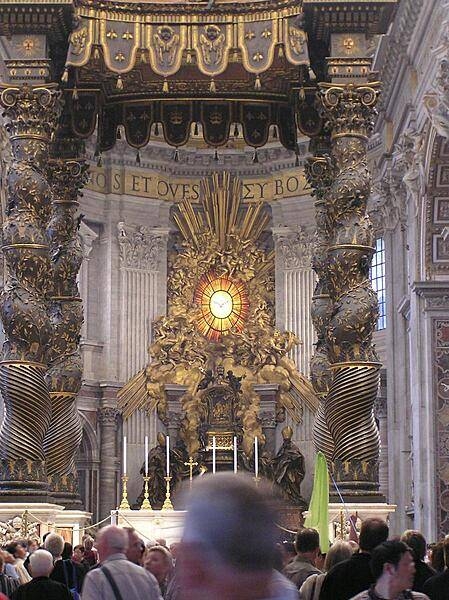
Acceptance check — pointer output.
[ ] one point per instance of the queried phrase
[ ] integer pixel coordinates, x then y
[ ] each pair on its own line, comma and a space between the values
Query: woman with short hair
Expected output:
159, 562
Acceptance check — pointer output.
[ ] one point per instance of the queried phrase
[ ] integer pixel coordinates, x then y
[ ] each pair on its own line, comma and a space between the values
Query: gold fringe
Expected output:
165, 87
119, 84
65, 76
212, 86
257, 84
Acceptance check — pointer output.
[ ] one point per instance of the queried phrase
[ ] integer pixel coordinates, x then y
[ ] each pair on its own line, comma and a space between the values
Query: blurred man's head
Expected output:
136, 547
393, 568
372, 533
54, 543
416, 542
229, 541
111, 540
41, 563
307, 543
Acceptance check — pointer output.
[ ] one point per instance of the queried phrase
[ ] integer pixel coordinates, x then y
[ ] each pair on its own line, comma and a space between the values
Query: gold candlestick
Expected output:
146, 498
167, 503
124, 504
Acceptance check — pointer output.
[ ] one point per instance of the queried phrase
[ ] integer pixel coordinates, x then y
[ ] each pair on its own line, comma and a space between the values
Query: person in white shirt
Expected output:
228, 547
117, 578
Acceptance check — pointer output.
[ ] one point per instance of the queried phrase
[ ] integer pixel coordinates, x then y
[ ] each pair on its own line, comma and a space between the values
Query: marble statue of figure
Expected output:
288, 467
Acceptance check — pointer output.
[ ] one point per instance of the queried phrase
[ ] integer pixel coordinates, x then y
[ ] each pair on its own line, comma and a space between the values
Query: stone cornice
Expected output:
434, 293
431, 289
394, 47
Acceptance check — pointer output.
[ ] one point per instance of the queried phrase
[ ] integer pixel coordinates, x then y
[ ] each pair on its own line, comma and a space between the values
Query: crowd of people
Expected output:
230, 550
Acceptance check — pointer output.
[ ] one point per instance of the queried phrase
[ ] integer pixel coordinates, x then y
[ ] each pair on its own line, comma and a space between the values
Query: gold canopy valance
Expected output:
208, 39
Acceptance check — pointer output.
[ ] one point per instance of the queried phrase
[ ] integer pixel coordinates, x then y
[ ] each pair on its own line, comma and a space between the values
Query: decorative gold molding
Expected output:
208, 41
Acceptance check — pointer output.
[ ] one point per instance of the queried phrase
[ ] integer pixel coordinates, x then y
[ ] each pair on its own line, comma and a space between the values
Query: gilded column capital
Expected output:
67, 178
319, 172
31, 110
349, 109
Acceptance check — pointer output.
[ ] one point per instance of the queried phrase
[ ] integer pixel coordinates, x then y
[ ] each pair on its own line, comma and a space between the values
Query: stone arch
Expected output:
88, 464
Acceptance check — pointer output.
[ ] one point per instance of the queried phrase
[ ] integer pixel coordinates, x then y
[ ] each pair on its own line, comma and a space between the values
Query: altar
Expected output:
152, 524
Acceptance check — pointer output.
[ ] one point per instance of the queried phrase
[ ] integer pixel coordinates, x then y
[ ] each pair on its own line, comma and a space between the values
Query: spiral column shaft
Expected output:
31, 114
67, 176
319, 176
349, 110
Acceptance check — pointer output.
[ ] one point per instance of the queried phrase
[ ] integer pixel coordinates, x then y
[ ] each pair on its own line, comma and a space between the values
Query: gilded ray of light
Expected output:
220, 203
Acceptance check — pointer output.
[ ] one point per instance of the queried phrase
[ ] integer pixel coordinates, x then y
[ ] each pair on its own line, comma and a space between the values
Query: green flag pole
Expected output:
318, 513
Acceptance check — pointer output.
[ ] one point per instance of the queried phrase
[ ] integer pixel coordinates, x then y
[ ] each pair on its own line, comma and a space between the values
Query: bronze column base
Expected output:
357, 480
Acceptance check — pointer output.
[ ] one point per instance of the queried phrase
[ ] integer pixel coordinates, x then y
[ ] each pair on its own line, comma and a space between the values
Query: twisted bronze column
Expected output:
349, 110
31, 115
319, 176
63, 437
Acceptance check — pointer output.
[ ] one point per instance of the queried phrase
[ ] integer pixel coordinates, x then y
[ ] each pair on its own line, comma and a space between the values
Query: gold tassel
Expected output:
256, 156
138, 158
96, 53
275, 132
143, 58
257, 84
212, 87
65, 76
302, 94
216, 155
281, 51
176, 155
75, 93
188, 58
236, 130
165, 87
119, 84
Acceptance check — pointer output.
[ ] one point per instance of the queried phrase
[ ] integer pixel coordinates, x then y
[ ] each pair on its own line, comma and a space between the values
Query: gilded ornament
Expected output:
166, 42
220, 252
212, 42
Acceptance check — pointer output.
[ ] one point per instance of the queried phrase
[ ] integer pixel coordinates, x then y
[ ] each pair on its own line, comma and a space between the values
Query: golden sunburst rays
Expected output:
223, 213
224, 305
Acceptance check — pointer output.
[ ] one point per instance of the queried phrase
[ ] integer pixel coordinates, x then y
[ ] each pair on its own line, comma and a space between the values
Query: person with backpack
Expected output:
65, 570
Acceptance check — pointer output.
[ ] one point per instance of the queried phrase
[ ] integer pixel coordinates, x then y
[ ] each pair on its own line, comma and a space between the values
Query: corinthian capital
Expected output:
350, 109
68, 177
31, 111
319, 173
139, 246
437, 101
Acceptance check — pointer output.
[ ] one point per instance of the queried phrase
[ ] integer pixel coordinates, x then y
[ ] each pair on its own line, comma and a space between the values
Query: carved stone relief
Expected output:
294, 246
139, 246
